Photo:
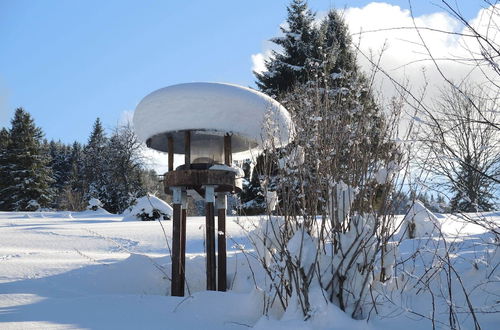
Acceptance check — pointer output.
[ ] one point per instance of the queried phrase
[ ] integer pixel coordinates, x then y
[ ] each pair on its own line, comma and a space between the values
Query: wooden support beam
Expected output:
221, 242
187, 148
183, 240
210, 238
228, 156
177, 278
170, 147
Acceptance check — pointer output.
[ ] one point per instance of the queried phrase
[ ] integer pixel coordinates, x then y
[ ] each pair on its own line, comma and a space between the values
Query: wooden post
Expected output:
183, 241
170, 147
210, 238
221, 242
176, 286
228, 156
187, 149
221, 223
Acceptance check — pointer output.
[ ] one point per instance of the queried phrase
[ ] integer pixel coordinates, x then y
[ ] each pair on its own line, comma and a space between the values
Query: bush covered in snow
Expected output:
94, 204
149, 208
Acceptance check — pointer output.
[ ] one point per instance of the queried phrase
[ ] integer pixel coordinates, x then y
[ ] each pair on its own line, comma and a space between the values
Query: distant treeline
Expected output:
39, 174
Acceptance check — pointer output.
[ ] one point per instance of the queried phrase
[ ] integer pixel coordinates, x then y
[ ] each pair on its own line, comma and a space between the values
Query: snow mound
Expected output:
211, 109
420, 222
95, 205
149, 207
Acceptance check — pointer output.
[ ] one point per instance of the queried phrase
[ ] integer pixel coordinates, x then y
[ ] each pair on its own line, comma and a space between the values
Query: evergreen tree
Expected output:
251, 197
4, 164
28, 175
4, 138
95, 165
471, 190
319, 62
351, 99
290, 65
61, 168
73, 192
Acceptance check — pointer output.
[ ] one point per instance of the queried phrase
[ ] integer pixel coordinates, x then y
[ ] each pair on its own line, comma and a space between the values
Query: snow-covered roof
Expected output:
210, 109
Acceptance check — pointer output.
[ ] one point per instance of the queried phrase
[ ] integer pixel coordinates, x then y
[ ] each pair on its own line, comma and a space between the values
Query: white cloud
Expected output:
404, 56
258, 62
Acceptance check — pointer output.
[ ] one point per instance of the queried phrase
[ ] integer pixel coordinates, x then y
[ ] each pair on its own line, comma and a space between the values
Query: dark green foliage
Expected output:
251, 197
4, 165
26, 175
290, 66
95, 164
317, 65
157, 215
60, 163
71, 197
36, 174
471, 189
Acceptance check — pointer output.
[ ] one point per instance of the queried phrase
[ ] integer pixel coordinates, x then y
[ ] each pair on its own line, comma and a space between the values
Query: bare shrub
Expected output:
331, 240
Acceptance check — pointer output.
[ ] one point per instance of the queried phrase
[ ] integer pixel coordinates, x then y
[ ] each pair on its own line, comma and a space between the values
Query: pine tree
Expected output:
4, 165
61, 168
351, 99
290, 66
28, 175
4, 138
251, 197
326, 69
74, 190
471, 190
95, 164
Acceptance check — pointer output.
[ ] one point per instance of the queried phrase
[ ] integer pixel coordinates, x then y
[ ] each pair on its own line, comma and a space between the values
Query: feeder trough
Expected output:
211, 124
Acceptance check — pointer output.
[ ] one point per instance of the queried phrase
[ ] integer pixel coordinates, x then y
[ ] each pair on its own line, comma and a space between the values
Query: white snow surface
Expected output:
219, 107
426, 223
94, 202
90, 270
147, 204
222, 167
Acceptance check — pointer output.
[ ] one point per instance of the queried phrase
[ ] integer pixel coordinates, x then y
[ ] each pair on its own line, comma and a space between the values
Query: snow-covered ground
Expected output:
90, 270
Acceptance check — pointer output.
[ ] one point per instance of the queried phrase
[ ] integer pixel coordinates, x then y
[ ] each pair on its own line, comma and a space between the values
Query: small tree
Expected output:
463, 151
73, 192
334, 230
125, 167
95, 163
26, 184
289, 66
4, 165
60, 164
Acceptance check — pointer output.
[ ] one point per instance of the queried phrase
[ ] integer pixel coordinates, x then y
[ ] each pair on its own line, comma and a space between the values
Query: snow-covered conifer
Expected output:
26, 184
289, 66
4, 142
60, 164
75, 187
95, 165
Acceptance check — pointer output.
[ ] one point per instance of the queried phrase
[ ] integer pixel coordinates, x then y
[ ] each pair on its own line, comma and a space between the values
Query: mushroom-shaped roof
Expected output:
211, 110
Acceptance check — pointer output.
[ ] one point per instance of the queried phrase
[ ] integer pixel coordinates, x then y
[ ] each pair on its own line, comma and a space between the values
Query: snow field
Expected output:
90, 270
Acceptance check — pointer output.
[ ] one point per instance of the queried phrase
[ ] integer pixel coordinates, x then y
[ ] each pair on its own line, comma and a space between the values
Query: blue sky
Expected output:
68, 62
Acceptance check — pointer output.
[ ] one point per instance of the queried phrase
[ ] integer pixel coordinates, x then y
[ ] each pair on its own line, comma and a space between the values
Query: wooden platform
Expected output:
224, 181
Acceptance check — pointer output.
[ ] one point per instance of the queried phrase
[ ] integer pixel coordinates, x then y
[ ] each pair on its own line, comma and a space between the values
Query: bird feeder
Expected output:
210, 124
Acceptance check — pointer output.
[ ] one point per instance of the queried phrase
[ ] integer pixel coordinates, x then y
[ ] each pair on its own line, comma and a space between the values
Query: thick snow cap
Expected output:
211, 110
